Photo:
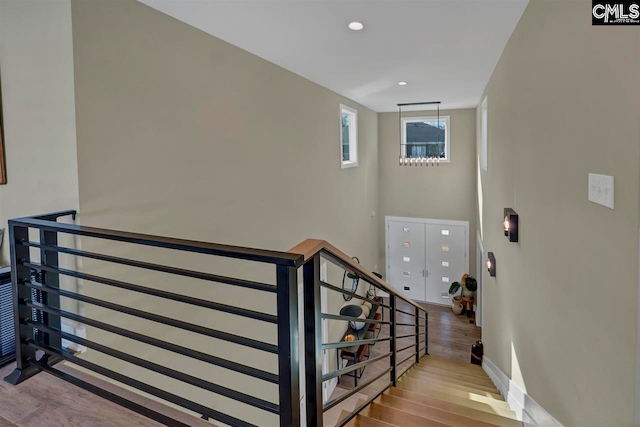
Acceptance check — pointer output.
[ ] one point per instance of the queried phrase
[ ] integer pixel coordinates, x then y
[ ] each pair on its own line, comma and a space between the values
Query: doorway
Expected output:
424, 256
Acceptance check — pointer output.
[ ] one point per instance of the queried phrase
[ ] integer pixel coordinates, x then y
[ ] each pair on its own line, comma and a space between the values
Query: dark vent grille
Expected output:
7, 332
36, 296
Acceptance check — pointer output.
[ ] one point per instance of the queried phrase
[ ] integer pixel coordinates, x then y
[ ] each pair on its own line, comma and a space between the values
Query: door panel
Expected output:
445, 260
406, 248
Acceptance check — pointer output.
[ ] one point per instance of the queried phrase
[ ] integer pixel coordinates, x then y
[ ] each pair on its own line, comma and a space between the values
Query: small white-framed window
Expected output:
348, 137
426, 137
483, 135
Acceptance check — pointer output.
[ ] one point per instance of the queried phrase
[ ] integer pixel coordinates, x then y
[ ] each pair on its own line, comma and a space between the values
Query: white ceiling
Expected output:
445, 49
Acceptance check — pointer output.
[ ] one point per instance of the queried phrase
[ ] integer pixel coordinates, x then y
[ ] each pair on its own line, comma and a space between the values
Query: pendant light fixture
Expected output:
405, 160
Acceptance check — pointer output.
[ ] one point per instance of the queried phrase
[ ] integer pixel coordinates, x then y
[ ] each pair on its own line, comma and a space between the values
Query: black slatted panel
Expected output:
7, 331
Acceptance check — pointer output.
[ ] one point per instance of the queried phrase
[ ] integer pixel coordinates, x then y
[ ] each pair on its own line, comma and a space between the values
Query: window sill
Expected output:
346, 165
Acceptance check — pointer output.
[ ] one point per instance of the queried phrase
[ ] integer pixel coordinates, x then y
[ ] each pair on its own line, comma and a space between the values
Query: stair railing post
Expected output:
49, 258
288, 366
392, 336
21, 274
313, 342
417, 335
426, 332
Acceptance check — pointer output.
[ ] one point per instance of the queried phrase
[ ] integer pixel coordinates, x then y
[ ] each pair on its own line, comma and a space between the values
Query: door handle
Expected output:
425, 273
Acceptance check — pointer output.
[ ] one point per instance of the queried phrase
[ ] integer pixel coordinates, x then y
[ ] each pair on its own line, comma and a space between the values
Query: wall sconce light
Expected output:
491, 264
510, 224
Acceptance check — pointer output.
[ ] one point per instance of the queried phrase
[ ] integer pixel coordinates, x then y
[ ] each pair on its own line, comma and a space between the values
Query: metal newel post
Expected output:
392, 335
288, 366
313, 342
426, 332
49, 258
20, 274
417, 335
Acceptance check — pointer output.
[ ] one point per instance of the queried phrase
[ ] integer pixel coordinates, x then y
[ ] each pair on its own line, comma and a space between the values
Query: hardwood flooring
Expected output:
450, 337
417, 401
46, 401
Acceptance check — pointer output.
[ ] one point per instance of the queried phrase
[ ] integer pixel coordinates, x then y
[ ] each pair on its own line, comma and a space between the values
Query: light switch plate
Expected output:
601, 189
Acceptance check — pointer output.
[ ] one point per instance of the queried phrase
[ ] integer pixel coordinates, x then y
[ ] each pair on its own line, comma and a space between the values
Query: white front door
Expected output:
425, 256
406, 265
445, 260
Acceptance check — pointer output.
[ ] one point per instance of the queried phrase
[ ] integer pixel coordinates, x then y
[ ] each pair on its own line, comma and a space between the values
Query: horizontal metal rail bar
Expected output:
406, 324
363, 405
352, 319
213, 360
422, 349
407, 347
342, 344
171, 373
249, 254
353, 391
405, 336
158, 293
407, 358
420, 342
143, 410
156, 267
213, 333
353, 367
353, 294
406, 312
176, 400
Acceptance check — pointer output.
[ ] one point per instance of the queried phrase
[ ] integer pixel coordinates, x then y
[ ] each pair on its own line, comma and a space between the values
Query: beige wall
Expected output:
181, 134
39, 111
443, 192
560, 317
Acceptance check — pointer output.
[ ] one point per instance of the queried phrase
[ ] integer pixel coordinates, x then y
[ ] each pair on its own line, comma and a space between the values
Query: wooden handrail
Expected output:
310, 247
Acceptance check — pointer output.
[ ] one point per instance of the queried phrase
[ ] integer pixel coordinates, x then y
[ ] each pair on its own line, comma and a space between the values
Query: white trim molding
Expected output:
527, 410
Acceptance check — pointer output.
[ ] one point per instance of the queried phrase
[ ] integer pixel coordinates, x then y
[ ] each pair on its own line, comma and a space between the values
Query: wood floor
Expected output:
438, 392
46, 401
450, 337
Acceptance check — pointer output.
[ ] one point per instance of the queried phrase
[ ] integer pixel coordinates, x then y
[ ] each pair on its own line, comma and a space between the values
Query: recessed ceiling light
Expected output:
402, 83
356, 26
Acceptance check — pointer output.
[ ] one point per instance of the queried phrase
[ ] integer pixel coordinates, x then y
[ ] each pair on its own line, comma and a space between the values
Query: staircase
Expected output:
438, 392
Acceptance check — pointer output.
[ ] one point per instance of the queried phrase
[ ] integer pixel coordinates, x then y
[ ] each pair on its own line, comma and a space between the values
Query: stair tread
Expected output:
452, 370
484, 391
468, 366
472, 382
430, 412
483, 381
480, 405
398, 417
361, 420
432, 370
507, 420
496, 401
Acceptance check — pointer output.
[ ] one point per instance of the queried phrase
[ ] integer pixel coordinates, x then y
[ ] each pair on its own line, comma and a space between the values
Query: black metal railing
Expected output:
40, 332
407, 338
41, 336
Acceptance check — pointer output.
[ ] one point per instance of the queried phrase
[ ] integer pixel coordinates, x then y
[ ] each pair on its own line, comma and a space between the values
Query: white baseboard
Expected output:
527, 410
